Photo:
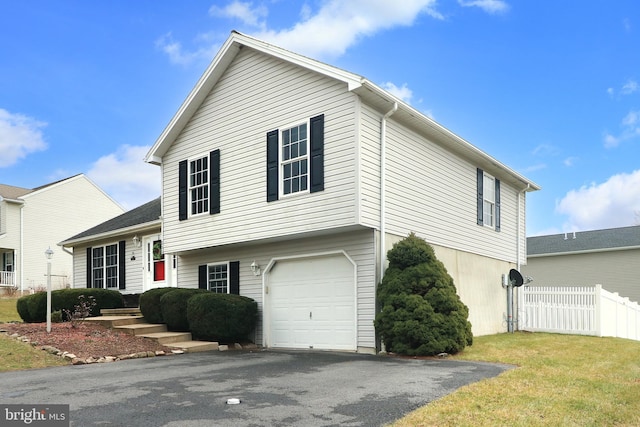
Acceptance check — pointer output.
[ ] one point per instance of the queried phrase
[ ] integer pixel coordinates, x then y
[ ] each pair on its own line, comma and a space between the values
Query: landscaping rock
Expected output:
223, 347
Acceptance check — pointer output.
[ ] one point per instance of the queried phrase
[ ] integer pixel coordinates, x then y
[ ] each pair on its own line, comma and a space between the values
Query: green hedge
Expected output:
150, 304
33, 308
221, 317
173, 306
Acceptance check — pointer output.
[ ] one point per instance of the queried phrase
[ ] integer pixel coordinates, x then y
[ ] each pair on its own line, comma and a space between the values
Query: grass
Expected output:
16, 355
561, 380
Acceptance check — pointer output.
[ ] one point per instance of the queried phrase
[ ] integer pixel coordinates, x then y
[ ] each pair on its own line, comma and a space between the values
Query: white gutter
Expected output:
383, 173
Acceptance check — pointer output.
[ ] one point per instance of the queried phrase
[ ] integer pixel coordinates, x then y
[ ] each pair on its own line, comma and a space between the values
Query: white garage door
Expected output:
312, 303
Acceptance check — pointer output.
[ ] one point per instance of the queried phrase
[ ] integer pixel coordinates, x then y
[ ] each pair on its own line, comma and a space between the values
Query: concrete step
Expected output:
121, 311
142, 328
166, 338
194, 346
114, 321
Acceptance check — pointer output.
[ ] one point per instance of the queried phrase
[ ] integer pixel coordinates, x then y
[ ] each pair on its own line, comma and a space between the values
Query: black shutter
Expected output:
214, 182
497, 205
234, 277
317, 153
480, 176
121, 264
182, 191
89, 261
202, 277
272, 165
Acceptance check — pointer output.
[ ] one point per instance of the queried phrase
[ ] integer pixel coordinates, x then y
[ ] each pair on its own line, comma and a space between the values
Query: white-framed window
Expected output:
294, 159
104, 266
199, 185
218, 278
489, 200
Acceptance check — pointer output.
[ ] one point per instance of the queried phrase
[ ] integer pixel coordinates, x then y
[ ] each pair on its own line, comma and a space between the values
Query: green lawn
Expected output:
561, 380
16, 355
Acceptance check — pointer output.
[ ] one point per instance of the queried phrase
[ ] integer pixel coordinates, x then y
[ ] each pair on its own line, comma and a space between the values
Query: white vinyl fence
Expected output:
585, 310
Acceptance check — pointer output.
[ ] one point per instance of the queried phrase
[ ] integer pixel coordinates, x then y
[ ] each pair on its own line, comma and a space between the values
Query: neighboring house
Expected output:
608, 257
32, 220
287, 180
124, 253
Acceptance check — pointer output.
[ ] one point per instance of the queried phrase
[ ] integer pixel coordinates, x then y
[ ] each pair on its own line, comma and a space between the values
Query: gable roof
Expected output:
12, 193
377, 97
584, 241
140, 218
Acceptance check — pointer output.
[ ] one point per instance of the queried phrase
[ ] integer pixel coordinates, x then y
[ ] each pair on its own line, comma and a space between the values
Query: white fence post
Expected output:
598, 309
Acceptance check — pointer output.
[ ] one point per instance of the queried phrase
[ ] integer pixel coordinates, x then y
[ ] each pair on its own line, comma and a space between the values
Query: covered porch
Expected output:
7, 268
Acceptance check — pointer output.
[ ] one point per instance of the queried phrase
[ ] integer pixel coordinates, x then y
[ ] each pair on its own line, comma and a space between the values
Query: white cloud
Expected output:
126, 177
570, 161
489, 6
337, 24
20, 136
244, 11
178, 55
402, 92
613, 203
630, 125
629, 87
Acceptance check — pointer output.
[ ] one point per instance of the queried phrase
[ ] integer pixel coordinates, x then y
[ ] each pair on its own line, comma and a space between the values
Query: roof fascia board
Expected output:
429, 125
210, 77
586, 251
138, 228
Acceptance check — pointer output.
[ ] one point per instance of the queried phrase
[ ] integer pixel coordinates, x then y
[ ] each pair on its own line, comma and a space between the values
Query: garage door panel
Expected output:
316, 298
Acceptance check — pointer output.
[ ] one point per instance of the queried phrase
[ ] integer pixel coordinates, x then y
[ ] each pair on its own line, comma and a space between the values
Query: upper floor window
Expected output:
199, 185
488, 200
295, 160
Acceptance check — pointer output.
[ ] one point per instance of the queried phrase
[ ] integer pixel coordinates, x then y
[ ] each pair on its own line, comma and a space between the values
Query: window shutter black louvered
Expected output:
317, 153
497, 205
89, 261
480, 180
272, 165
202, 277
182, 191
214, 182
234, 277
121, 264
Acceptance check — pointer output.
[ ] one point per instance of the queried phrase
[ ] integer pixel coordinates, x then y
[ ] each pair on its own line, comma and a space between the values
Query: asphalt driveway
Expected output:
275, 389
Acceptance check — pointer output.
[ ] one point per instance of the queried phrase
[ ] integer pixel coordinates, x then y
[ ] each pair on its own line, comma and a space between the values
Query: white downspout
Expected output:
383, 173
22, 249
510, 301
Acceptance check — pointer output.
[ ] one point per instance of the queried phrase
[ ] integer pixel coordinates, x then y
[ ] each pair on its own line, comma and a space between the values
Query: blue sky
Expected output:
550, 88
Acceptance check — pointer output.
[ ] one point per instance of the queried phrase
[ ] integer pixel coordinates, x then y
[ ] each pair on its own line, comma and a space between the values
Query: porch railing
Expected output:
7, 278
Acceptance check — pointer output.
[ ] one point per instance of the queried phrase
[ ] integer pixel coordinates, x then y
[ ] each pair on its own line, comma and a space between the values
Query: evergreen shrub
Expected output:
33, 308
173, 306
150, 304
221, 317
420, 312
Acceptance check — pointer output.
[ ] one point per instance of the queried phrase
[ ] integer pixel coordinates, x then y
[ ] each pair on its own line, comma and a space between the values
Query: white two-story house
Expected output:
287, 180
33, 220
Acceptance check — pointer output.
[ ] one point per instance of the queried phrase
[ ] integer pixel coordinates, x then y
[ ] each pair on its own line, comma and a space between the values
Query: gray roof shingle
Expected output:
611, 238
148, 212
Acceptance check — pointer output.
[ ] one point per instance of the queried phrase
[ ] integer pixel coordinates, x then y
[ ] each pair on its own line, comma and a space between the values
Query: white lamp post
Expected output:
49, 254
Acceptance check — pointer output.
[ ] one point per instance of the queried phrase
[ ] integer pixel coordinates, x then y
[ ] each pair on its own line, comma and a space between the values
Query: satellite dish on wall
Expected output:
515, 278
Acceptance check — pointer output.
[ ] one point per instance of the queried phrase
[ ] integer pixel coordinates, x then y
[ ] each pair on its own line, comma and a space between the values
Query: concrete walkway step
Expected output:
194, 346
121, 311
114, 321
166, 338
142, 328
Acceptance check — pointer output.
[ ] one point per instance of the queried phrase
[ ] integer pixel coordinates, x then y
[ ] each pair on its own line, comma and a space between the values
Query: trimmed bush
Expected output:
173, 306
221, 317
33, 308
150, 304
421, 313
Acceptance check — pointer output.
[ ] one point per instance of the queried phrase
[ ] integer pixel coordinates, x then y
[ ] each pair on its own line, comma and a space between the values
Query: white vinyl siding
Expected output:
434, 192
53, 214
359, 245
262, 85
